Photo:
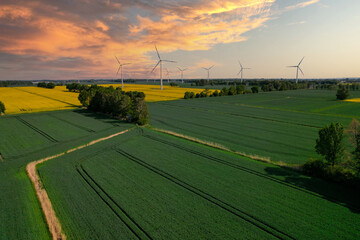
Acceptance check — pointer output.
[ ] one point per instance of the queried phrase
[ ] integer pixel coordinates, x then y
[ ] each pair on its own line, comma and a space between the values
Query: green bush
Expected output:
315, 167
255, 89
2, 107
342, 94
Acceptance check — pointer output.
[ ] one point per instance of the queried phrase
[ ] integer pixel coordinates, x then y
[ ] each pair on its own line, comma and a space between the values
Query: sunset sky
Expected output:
49, 39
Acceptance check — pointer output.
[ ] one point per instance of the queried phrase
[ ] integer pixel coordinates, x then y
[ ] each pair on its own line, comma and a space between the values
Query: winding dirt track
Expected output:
51, 219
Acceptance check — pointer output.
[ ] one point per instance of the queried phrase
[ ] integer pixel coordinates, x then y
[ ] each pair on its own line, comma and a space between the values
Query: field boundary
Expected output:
51, 219
221, 147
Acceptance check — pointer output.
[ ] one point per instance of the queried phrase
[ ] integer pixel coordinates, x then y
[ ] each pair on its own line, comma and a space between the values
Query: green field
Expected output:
279, 125
156, 186
28, 137
150, 185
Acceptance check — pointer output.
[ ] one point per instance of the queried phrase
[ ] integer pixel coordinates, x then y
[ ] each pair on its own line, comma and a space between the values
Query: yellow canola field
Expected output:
153, 92
353, 100
36, 99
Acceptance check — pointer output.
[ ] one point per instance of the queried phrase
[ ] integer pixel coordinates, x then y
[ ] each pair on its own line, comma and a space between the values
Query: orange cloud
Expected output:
92, 31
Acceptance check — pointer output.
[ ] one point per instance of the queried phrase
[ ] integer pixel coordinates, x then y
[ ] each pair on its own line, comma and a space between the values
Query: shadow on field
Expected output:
343, 195
98, 116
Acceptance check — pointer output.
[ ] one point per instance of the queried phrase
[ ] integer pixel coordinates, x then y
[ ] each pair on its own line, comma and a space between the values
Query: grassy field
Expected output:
36, 99
280, 125
150, 185
155, 186
29, 137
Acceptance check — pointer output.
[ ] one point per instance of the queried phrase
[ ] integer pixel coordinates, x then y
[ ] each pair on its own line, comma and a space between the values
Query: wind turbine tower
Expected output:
208, 72
160, 62
182, 74
121, 71
241, 70
297, 70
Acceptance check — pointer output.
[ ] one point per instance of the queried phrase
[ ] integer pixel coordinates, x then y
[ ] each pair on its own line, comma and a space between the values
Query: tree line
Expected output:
130, 106
338, 164
233, 90
14, 83
46, 85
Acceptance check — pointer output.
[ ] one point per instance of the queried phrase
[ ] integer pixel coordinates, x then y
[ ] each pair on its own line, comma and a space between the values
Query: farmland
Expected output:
29, 137
118, 188
150, 185
281, 126
36, 99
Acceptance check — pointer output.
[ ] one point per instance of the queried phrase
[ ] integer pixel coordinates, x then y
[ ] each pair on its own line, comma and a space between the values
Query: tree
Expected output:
354, 132
342, 93
329, 144
2, 107
215, 93
141, 112
187, 95
232, 90
240, 89
255, 89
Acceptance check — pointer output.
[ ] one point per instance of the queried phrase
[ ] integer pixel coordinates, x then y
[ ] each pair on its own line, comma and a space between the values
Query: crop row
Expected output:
223, 205
115, 207
50, 138
249, 170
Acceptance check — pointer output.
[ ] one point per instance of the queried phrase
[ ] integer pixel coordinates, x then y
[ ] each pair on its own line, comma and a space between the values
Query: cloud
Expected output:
84, 35
296, 23
302, 4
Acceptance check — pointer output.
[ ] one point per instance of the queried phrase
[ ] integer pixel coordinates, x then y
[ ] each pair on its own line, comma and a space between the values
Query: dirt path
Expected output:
52, 221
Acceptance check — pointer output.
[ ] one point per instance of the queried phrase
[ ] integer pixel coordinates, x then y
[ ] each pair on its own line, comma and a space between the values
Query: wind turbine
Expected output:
297, 69
242, 70
121, 72
208, 71
182, 74
160, 62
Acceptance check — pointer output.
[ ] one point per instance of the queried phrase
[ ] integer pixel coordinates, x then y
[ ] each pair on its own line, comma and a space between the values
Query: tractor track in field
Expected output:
44, 134
250, 171
46, 206
243, 115
109, 201
71, 123
54, 99
214, 200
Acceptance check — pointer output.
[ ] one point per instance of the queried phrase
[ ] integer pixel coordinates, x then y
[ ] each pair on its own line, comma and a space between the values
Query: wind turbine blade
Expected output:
125, 64
301, 61
118, 71
168, 61
185, 69
292, 66
211, 67
301, 71
205, 68
156, 66
117, 60
180, 69
157, 53
239, 72
239, 63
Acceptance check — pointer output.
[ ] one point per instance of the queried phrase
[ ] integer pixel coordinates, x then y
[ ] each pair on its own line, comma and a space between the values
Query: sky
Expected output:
51, 39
